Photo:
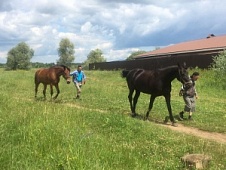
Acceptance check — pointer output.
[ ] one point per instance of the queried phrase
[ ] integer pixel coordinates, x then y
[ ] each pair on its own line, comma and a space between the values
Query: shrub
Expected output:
219, 67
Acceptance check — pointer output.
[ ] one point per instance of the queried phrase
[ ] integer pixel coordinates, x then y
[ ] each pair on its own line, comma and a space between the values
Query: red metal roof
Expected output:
208, 44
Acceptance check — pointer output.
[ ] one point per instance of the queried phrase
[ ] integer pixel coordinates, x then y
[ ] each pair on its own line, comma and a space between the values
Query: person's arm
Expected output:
72, 73
84, 78
196, 94
181, 91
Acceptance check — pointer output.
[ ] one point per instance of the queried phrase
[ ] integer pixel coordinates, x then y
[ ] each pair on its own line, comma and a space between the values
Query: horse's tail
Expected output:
36, 76
124, 73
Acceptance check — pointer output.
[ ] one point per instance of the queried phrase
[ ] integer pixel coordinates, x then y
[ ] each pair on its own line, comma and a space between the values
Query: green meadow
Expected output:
97, 131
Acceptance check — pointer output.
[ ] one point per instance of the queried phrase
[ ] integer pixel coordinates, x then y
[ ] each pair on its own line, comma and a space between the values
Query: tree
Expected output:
66, 52
219, 67
133, 54
95, 56
19, 57
219, 63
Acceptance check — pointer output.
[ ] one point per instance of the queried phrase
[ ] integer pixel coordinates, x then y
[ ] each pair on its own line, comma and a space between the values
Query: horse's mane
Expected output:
61, 65
169, 67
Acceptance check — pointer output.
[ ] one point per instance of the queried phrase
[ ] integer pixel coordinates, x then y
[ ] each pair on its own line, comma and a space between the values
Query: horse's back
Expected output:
41, 75
145, 81
141, 75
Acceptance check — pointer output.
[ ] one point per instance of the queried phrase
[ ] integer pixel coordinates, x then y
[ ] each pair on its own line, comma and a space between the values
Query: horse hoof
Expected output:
166, 119
174, 124
133, 114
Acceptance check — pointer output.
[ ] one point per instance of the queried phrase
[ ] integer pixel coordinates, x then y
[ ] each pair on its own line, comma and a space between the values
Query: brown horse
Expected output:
154, 82
51, 76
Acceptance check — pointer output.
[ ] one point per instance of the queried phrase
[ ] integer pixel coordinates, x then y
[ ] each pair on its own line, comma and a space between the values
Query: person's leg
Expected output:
187, 107
181, 115
77, 85
192, 100
190, 116
80, 90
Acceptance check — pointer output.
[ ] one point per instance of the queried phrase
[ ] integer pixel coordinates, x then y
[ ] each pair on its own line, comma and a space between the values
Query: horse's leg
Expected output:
130, 97
167, 98
36, 88
152, 99
51, 90
58, 91
44, 90
135, 99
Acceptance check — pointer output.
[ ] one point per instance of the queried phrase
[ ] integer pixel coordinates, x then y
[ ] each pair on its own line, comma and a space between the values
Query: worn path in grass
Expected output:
217, 137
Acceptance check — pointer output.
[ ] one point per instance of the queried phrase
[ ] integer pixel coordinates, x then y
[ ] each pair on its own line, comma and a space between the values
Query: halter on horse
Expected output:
154, 82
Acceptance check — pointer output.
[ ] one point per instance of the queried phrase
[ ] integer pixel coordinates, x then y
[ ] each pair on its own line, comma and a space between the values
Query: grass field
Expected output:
97, 131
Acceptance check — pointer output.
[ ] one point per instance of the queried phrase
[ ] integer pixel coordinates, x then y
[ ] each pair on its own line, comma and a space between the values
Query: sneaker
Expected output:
190, 118
181, 115
77, 97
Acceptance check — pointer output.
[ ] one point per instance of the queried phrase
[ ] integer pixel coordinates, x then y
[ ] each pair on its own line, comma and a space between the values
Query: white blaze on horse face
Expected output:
67, 76
68, 80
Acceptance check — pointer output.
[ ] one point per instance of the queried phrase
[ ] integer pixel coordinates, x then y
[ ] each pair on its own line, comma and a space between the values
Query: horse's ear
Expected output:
63, 66
179, 66
183, 66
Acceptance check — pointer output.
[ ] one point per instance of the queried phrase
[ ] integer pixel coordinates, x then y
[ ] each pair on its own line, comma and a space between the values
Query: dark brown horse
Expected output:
155, 82
51, 76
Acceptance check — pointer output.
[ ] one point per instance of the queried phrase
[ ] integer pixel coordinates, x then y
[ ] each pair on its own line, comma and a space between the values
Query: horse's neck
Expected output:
171, 74
59, 71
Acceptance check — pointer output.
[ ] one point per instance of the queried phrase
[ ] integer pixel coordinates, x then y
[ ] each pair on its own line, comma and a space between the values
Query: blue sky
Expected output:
117, 27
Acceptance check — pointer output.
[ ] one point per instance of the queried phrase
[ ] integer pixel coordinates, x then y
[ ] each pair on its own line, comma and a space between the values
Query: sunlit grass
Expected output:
97, 132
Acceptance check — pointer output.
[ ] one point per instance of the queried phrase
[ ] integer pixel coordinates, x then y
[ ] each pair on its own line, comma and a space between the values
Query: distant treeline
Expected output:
32, 65
2, 65
43, 65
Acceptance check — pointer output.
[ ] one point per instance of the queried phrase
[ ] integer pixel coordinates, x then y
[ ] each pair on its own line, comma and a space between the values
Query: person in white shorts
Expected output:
79, 78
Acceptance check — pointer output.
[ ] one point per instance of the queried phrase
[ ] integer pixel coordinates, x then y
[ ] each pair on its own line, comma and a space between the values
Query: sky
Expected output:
116, 27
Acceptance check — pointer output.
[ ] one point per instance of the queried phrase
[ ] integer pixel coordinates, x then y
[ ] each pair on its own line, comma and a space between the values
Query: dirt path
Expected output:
217, 137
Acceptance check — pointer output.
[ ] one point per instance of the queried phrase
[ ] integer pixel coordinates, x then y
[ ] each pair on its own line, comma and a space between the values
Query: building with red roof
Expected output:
196, 53
210, 45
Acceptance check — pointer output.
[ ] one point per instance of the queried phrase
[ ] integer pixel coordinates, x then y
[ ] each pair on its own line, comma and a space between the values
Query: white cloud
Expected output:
86, 28
116, 27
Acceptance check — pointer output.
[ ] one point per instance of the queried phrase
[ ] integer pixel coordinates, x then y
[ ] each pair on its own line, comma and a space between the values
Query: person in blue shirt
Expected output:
79, 78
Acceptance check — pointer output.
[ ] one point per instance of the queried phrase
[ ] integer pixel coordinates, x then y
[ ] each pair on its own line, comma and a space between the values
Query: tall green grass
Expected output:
97, 132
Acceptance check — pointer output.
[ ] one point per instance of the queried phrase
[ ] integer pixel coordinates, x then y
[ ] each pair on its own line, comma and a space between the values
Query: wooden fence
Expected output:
202, 61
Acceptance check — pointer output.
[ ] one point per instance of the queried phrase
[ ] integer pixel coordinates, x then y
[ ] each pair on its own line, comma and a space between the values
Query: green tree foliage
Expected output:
133, 54
42, 65
95, 56
19, 57
66, 52
219, 67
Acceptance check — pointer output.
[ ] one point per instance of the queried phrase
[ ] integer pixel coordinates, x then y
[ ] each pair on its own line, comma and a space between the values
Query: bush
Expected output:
19, 57
219, 67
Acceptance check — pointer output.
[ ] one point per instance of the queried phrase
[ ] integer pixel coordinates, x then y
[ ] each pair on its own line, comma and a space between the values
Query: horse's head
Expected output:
183, 75
66, 74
